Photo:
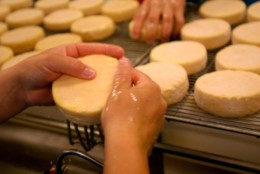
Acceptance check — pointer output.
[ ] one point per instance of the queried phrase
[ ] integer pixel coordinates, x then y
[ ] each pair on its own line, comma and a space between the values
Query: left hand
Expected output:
38, 72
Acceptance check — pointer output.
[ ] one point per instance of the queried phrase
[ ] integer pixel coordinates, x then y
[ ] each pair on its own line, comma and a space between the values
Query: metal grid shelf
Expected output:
187, 111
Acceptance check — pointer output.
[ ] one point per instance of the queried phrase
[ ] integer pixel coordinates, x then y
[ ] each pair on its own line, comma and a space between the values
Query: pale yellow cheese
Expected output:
93, 28
5, 54
3, 28
82, 101
171, 78
22, 39
61, 20
239, 57
228, 93
88, 7
4, 11
120, 11
248, 33
17, 59
17, 4
144, 31
189, 54
212, 33
253, 12
232, 11
49, 6
24, 17
56, 40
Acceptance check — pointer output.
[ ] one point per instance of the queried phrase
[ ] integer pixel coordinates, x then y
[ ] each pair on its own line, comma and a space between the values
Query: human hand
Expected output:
38, 72
167, 15
131, 121
134, 109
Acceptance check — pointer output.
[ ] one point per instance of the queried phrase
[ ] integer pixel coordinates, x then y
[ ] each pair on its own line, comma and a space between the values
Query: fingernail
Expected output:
89, 73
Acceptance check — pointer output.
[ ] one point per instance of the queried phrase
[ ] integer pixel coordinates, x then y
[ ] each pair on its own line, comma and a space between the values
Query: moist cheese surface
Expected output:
81, 100
239, 57
232, 11
171, 78
228, 93
212, 33
189, 54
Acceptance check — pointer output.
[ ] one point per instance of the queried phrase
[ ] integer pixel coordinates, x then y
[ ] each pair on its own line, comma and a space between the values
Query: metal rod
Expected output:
59, 161
80, 138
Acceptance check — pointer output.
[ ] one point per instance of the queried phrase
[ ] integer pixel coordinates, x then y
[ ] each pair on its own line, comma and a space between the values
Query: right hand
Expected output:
135, 108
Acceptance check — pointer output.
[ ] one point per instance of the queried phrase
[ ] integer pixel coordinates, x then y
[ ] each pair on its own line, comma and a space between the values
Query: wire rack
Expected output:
187, 111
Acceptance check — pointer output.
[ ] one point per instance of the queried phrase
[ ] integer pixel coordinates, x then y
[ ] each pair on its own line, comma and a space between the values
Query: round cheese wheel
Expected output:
4, 11
17, 59
17, 4
248, 33
239, 57
3, 28
120, 11
212, 33
94, 28
22, 39
253, 12
56, 40
24, 17
88, 7
189, 54
49, 6
5, 54
144, 31
232, 11
61, 20
171, 78
82, 101
228, 93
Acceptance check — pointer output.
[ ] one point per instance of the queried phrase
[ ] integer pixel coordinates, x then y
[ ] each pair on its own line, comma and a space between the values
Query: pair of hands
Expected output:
168, 14
135, 107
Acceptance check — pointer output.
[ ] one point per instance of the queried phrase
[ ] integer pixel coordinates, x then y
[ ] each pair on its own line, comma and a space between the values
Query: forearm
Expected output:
11, 101
124, 155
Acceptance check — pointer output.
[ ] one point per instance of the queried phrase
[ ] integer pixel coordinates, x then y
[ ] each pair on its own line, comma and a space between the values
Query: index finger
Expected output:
83, 49
123, 76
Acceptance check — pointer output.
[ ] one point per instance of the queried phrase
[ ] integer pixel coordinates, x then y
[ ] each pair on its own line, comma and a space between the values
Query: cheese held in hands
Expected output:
82, 101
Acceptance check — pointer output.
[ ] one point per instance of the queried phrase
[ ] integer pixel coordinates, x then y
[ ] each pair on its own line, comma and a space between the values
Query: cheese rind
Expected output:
89, 7
61, 20
120, 11
144, 31
49, 6
4, 11
93, 28
239, 57
171, 78
212, 33
228, 93
232, 11
22, 39
248, 33
253, 12
82, 101
189, 54
17, 59
24, 17
57, 40
5, 54
3, 28
17, 4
